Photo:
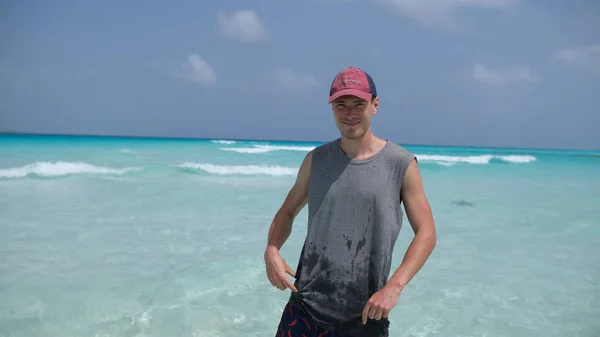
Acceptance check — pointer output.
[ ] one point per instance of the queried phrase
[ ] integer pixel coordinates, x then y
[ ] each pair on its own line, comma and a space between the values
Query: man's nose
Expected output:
349, 111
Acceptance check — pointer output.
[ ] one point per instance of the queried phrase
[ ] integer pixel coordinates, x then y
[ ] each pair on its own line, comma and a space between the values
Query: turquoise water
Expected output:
155, 237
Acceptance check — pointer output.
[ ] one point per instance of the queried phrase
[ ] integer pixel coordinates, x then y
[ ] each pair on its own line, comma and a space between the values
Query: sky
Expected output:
503, 73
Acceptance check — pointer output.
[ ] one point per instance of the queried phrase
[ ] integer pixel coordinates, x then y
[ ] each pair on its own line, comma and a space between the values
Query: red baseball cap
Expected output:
352, 81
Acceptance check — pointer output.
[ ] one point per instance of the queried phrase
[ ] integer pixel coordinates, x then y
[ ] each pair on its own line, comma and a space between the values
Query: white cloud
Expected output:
583, 57
244, 26
439, 13
198, 70
501, 77
293, 80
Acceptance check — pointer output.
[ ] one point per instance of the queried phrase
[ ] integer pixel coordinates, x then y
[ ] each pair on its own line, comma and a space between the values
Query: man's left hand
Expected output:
381, 303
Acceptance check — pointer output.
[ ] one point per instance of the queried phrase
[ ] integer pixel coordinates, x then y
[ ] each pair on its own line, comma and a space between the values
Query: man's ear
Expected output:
375, 102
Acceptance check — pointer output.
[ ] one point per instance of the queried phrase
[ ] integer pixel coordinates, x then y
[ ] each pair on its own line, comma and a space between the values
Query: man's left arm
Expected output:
418, 212
420, 217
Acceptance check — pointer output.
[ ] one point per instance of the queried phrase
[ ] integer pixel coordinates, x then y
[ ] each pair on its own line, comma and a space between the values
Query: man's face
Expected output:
353, 115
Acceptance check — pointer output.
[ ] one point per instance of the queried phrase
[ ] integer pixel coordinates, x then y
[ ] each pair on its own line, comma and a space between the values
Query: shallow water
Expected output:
137, 237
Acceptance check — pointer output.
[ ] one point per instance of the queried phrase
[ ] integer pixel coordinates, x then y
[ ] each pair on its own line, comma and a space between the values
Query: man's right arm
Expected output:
296, 199
281, 228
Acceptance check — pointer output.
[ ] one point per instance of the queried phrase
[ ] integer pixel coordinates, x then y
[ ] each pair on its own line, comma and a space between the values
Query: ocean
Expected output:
106, 236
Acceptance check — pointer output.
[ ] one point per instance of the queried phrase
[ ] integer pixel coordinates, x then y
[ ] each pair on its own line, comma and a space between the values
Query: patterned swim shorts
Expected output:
296, 323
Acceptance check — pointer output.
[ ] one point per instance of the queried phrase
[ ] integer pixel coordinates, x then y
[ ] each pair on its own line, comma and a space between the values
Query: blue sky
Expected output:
456, 72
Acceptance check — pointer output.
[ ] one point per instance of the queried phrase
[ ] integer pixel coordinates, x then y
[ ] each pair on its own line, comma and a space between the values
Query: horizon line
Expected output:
17, 133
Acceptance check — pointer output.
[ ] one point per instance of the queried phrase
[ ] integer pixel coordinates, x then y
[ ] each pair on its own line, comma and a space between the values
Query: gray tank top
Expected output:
354, 218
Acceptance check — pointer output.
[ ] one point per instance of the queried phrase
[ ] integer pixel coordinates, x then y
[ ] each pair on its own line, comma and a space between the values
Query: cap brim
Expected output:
351, 92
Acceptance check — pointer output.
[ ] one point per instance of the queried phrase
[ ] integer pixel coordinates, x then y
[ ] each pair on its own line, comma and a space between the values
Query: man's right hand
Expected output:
277, 269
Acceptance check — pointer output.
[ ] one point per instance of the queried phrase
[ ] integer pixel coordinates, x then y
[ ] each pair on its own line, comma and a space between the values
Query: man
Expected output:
353, 186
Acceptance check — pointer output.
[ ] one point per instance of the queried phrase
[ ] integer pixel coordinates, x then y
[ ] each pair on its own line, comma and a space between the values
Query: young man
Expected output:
354, 187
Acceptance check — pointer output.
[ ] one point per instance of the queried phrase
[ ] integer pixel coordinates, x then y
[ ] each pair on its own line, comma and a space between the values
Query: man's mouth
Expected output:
351, 123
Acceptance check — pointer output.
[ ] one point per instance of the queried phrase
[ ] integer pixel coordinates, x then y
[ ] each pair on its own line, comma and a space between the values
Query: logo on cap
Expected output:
354, 82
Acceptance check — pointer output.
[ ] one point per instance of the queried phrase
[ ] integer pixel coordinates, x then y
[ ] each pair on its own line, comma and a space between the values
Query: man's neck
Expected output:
362, 148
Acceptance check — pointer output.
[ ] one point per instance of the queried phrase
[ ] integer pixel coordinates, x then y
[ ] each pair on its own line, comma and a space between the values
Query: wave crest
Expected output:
517, 159
60, 168
223, 141
241, 169
245, 149
482, 159
260, 148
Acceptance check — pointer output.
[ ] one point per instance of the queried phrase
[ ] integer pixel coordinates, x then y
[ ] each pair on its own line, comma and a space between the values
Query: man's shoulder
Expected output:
400, 153
325, 148
328, 144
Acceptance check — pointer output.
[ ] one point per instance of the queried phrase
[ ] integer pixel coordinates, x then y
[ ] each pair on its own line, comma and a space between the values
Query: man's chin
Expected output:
353, 134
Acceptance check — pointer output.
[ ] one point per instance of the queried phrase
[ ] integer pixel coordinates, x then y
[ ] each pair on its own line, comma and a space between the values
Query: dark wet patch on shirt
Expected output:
359, 245
372, 278
325, 286
311, 259
316, 261
348, 241
325, 263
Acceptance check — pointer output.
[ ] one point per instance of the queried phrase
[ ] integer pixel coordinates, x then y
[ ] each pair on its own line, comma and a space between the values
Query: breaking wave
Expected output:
245, 149
223, 141
481, 159
61, 168
258, 148
241, 169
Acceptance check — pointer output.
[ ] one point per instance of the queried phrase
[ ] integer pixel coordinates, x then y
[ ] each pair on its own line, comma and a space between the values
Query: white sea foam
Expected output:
60, 168
245, 149
286, 148
241, 169
518, 159
262, 148
481, 159
222, 141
